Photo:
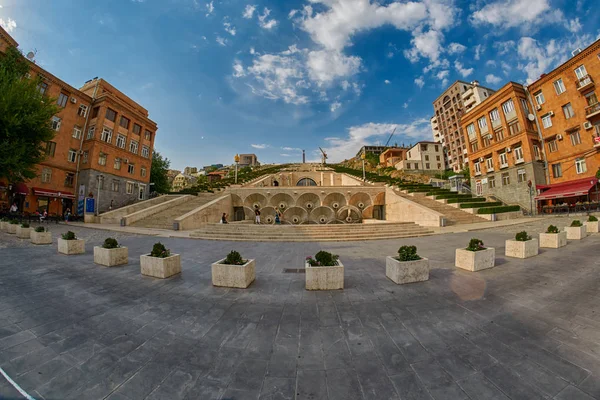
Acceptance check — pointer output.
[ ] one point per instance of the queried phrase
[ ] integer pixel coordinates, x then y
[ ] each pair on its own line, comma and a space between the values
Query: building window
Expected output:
124, 122
505, 179
111, 114
42, 87
575, 138
56, 123
580, 72
426, 158
525, 106
547, 121
474, 147
471, 132
117, 164
489, 164
568, 110
486, 141
482, 122
521, 175
131, 169
439, 166
499, 135
102, 159
46, 175
85, 157
437, 158
514, 128
121, 140
137, 129
129, 187
477, 167
518, 155
69, 179
539, 98
133, 146
503, 160
106, 135
437, 148
62, 100
426, 165
50, 148
580, 166
494, 115
95, 112
536, 152
508, 107
559, 86
114, 185
491, 182
143, 172
552, 146
72, 157
91, 132
82, 110
148, 136
556, 170
77, 132
146, 152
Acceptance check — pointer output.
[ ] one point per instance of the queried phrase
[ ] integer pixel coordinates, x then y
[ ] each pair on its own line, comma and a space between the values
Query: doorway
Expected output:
238, 214
379, 212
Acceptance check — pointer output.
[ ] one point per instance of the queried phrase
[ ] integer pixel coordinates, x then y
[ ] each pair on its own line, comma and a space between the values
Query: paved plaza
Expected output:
526, 329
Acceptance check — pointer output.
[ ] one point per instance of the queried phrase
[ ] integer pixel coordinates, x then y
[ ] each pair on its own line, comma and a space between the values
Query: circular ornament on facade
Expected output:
283, 206
322, 219
309, 205
295, 219
335, 206
361, 205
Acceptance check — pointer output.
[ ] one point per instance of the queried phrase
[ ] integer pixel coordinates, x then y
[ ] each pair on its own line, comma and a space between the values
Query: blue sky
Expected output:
274, 77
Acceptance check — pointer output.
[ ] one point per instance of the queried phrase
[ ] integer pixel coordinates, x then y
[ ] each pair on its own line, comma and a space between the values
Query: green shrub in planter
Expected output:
481, 204
24, 225
576, 223
498, 210
323, 259
159, 250
110, 243
552, 229
69, 236
591, 218
14, 222
475, 245
408, 253
40, 229
522, 237
234, 258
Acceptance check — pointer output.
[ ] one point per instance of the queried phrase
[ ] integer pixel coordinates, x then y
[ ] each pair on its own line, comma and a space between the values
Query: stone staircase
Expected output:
114, 216
310, 233
164, 219
454, 216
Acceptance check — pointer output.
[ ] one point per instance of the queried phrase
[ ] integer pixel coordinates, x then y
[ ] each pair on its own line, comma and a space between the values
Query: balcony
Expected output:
592, 111
596, 140
585, 83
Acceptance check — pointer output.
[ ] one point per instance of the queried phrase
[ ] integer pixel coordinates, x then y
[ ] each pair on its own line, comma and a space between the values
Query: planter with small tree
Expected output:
160, 263
553, 238
111, 254
591, 225
233, 271
41, 236
69, 244
324, 272
576, 231
475, 257
23, 231
4, 222
407, 267
12, 226
524, 246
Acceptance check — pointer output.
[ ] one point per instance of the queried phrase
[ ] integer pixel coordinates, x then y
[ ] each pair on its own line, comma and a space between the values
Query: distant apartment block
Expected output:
190, 170
248, 160
423, 156
392, 155
377, 150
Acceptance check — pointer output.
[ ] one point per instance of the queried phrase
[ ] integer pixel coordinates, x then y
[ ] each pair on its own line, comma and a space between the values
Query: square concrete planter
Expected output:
517, 249
3, 226
235, 276
325, 278
111, 257
23, 233
70, 247
475, 260
406, 271
160, 267
591, 226
575, 232
12, 228
553, 240
41, 237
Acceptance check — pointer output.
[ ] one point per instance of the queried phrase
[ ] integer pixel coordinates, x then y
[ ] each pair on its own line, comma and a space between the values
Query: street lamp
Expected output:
362, 157
237, 161
100, 180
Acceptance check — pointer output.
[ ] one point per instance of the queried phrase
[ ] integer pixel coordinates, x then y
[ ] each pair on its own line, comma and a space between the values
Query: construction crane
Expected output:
323, 156
390, 138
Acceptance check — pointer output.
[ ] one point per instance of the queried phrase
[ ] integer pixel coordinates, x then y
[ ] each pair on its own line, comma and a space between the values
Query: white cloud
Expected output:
490, 63
420, 82
229, 28
387, 82
210, 8
260, 146
334, 106
425, 45
478, 50
573, 25
325, 66
9, 24
264, 22
405, 105
456, 48
291, 149
221, 41
285, 155
465, 72
504, 47
249, 11
252, 51
511, 13
442, 74
238, 69
492, 79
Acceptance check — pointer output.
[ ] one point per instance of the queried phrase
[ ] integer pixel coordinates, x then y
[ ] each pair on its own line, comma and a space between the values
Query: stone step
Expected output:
164, 219
308, 238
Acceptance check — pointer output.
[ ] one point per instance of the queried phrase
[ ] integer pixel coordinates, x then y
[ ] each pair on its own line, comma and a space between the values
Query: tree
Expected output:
158, 173
25, 116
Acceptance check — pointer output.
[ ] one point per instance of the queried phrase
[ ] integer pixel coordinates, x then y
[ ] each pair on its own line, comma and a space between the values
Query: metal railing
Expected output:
594, 108
586, 80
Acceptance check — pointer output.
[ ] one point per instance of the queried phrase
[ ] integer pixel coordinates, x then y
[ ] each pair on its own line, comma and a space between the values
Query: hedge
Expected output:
453, 196
466, 200
481, 204
498, 210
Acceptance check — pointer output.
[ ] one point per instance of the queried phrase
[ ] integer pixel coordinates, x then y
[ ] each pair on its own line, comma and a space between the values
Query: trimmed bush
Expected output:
522, 237
110, 243
14, 222
159, 250
323, 259
69, 236
467, 200
481, 204
475, 245
591, 218
552, 229
453, 196
24, 225
234, 258
40, 229
498, 210
408, 253
576, 223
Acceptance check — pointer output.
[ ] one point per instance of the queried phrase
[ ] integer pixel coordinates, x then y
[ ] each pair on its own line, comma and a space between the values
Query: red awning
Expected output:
52, 193
21, 188
580, 187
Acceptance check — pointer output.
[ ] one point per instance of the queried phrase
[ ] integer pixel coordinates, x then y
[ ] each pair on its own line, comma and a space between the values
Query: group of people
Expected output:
278, 217
43, 214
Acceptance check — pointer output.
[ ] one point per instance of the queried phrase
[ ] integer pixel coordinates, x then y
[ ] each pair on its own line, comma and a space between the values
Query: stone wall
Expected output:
400, 209
209, 213
89, 178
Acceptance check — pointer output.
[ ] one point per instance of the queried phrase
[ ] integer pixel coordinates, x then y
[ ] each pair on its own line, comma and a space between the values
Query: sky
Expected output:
273, 77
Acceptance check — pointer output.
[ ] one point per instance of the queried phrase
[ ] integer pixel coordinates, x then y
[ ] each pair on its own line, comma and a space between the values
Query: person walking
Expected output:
224, 218
257, 216
277, 220
14, 208
67, 215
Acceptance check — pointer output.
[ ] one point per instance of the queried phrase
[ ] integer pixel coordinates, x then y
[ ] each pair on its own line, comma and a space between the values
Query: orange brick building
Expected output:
103, 145
393, 155
503, 147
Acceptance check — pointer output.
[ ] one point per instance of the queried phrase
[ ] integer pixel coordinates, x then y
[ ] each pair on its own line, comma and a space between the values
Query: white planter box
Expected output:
591, 226
235, 276
575, 232
325, 278
23, 233
160, 267
41, 237
111, 257
407, 271
519, 249
553, 240
12, 228
3, 226
475, 260
70, 247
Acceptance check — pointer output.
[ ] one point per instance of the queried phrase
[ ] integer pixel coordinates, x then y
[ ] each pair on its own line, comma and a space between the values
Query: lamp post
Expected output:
237, 161
100, 180
362, 157
530, 185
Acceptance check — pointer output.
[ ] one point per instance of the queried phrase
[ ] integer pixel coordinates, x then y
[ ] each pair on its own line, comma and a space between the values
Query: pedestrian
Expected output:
43, 216
14, 208
257, 216
67, 215
277, 220
224, 218
110, 207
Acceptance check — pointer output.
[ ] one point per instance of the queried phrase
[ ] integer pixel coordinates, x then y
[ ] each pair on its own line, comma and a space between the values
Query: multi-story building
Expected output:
567, 107
182, 181
437, 135
503, 147
377, 150
248, 160
103, 147
190, 170
475, 95
391, 156
424, 157
449, 107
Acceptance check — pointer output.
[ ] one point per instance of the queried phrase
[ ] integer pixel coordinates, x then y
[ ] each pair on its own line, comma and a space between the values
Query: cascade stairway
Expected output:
310, 233
164, 219
454, 216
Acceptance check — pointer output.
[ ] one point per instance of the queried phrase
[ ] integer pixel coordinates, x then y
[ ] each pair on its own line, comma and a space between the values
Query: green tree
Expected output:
25, 116
158, 173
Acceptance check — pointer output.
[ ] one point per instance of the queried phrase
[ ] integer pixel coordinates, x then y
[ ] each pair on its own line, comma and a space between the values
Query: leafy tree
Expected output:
158, 173
25, 116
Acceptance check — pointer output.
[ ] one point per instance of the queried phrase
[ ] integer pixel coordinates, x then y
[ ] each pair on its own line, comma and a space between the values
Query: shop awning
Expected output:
580, 187
21, 188
52, 193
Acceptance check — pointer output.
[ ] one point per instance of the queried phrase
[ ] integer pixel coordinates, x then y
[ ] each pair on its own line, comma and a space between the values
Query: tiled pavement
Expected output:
70, 329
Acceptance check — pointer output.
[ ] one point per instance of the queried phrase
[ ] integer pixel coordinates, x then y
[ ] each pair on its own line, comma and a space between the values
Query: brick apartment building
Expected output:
391, 156
103, 145
503, 147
